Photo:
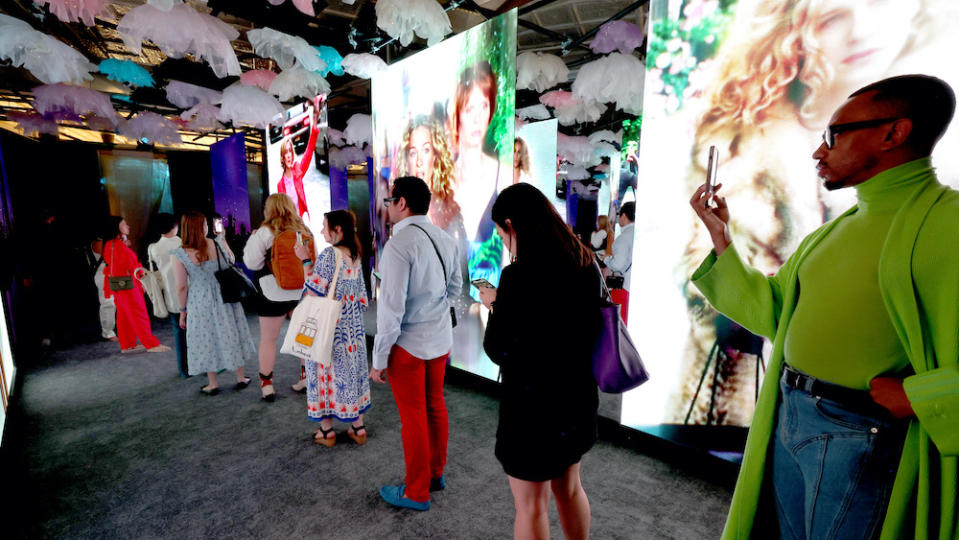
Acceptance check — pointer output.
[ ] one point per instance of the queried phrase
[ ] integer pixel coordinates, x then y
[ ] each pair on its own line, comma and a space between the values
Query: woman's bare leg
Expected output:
572, 504
531, 500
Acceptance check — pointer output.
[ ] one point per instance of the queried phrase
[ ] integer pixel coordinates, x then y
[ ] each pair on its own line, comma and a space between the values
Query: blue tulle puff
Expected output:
332, 59
126, 71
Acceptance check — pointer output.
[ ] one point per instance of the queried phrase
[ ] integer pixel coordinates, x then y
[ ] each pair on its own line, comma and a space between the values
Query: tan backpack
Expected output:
286, 267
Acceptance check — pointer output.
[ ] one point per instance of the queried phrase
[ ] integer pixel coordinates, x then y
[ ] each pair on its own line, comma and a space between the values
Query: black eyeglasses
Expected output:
387, 201
829, 135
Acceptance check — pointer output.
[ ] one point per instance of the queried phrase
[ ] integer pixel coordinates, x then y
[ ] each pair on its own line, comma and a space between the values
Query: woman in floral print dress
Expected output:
341, 390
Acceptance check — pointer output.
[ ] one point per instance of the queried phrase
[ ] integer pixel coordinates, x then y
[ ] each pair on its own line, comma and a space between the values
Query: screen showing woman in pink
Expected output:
295, 167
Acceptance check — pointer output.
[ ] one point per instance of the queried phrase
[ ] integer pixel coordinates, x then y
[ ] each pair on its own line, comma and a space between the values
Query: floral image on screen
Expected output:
446, 115
759, 80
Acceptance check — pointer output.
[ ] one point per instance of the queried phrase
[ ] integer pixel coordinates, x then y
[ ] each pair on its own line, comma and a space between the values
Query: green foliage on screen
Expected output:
495, 42
488, 255
631, 131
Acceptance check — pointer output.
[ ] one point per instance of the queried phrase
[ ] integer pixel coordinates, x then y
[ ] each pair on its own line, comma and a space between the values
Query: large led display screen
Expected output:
446, 115
758, 79
297, 162
534, 161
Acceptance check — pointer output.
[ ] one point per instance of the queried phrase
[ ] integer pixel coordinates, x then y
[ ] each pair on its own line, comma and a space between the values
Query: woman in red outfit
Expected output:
293, 170
132, 320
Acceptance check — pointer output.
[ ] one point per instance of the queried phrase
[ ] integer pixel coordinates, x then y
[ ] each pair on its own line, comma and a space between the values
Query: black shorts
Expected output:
265, 307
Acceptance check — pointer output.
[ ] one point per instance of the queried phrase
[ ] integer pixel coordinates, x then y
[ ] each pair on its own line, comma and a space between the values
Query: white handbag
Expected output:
313, 322
152, 282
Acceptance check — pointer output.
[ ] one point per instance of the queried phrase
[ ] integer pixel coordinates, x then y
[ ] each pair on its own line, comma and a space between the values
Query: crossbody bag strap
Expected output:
337, 259
437, 250
113, 258
218, 253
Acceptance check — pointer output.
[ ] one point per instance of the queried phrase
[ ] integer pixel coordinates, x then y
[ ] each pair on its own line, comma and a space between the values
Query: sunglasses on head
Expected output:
829, 135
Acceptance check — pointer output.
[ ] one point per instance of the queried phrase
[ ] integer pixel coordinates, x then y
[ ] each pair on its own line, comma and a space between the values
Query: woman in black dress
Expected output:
543, 323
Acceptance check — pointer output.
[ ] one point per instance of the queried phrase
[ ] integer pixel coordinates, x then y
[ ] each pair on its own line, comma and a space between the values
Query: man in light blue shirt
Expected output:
414, 336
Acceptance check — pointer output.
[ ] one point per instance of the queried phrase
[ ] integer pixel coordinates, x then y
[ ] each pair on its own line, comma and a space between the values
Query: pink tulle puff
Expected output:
79, 100
617, 35
258, 77
76, 10
304, 6
559, 98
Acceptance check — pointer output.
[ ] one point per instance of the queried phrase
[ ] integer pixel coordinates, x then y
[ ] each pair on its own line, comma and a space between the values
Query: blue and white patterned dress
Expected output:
342, 390
217, 335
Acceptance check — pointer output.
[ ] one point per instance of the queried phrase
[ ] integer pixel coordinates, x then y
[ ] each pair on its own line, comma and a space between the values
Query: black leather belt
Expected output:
833, 392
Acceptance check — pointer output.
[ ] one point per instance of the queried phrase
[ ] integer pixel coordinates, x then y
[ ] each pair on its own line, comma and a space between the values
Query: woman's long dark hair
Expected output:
346, 221
543, 240
111, 228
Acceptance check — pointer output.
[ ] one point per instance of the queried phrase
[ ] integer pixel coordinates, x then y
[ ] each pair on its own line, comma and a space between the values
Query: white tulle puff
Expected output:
248, 105
538, 71
617, 35
182, 30
571, 110
576, 150
151, 127
298, 82
605, 135
202, 118
359, 129
285, 48
402, 18
577, 172
165, 5
617, 78
258, 77
340, 158
33, 124
185, 95
536, 112
363, 65
54, 99
47, 58
336, 137
76, 10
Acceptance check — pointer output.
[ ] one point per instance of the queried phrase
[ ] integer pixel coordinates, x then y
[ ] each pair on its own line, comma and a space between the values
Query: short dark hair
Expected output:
165, 222
629, 210
415, 191
928, 101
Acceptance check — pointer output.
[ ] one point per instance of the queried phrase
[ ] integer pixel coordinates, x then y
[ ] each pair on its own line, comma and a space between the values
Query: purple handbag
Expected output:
617, 366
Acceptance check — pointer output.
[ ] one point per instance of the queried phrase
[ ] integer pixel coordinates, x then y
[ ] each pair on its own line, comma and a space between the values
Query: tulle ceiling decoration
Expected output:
126, 71
248, 105
202, 117
298, 82
84, 11
185, 95
33, 124
47, 58
75, 101
150, 127
618, 35
536, 112
165, 5
616, 78
576, 150
538, 71
363, 65
605, 135
340, 158
285, 48
258, 77
336, 137
359, 129
570, 110
400, 19
182, 30
332, 59
305, 6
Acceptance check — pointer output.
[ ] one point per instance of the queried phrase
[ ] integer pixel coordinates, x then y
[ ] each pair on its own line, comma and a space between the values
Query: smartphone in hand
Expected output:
218, 226
481, 283
711, 172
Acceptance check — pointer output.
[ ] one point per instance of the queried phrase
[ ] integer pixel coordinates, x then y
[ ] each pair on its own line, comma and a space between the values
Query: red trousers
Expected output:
418, 389
621, 297
132, 320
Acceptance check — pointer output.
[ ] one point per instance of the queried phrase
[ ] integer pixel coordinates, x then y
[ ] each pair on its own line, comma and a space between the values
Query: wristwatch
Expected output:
306, 261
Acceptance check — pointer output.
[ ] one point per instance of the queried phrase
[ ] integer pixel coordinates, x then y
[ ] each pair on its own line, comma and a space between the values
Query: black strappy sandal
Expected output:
357, 438
325, 440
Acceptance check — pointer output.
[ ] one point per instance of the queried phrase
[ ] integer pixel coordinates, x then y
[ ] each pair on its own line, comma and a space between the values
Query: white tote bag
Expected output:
152, 282
313, 322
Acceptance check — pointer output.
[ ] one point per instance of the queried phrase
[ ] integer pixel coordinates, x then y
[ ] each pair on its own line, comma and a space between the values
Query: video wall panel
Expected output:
759, 79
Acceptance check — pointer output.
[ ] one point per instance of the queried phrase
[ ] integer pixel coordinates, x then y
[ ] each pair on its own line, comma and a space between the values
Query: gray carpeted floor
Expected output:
103, 445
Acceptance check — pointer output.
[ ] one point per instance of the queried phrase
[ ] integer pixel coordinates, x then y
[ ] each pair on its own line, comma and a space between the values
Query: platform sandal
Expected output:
357, 438
324, 438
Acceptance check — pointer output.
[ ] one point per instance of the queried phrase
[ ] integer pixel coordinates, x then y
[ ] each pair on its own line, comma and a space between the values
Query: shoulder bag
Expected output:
445, 275
313, 323
234, 285
617, 366
117, 283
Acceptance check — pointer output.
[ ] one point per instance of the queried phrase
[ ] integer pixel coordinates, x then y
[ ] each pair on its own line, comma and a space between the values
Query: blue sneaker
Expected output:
394, 496
438, 484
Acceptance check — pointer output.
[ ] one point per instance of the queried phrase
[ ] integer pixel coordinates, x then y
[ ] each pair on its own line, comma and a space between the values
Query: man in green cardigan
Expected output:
856, 431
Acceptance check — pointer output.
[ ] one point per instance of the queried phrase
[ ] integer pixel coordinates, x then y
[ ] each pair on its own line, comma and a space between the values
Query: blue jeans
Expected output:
832, 468
179, 338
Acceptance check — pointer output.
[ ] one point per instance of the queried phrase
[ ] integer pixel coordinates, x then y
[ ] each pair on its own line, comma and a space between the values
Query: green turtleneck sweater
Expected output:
841, 331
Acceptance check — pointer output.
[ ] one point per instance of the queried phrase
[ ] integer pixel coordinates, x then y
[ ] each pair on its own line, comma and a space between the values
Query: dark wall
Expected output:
191, 181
